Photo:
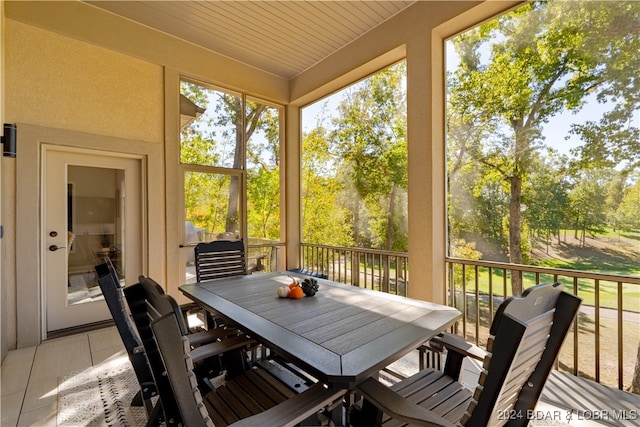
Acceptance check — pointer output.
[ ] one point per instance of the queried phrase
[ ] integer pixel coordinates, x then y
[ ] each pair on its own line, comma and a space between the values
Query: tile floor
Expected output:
29, 376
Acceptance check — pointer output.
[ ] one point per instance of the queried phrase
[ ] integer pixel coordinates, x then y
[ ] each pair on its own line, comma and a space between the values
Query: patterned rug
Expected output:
100, 396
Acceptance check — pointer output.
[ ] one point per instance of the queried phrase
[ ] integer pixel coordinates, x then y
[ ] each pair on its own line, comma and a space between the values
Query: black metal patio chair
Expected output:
114, 297
250, 398
207, 346
525, 338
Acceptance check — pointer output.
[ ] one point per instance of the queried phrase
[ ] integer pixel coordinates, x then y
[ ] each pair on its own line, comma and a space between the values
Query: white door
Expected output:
92, 210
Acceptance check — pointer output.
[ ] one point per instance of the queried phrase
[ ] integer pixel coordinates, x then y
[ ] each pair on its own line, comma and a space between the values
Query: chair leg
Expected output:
368, 416
235, 362
137, 399
156, 417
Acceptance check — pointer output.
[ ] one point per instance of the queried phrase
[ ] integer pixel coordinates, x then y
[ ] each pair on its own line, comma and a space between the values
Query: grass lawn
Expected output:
608, 291
608, 253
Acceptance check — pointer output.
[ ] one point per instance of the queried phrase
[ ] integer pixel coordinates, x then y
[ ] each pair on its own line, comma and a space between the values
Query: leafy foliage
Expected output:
515, 73
354, 167
216, 144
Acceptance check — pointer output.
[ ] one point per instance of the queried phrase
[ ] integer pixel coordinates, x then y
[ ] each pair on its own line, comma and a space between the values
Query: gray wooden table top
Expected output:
341, 335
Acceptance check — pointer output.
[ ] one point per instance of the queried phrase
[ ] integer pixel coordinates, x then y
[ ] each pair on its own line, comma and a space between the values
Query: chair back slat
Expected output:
527, 356
566, 309
220, 258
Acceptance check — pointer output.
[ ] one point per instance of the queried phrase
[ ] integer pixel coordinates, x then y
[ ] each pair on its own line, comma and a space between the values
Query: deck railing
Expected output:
601, 346
603, 342
271, 254
384, 271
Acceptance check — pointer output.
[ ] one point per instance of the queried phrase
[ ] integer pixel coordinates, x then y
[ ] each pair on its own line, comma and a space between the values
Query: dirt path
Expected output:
618, 253
610, 313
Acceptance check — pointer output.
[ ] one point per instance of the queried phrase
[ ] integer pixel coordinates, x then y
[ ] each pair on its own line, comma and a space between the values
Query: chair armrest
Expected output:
456, 343
457, 350
219, 347
294, 410
258, 263
204, 337
190, 306
398, 407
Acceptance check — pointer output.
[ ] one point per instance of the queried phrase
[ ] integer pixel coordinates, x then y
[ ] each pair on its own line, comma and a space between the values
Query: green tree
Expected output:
325, 219
546, 198
370, 141
263, 212
544, 58
205, 201
629, 209
263, 171
615, 193
481, 204
587, 200
231, 117
217, 138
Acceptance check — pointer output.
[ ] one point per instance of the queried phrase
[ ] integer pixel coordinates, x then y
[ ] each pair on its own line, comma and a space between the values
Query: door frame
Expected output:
28, 234
96, 157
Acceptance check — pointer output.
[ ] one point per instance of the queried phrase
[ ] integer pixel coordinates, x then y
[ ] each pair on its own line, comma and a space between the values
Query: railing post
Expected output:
477, 296
597, 329
620, 340
576, 327
385, 284
355, 269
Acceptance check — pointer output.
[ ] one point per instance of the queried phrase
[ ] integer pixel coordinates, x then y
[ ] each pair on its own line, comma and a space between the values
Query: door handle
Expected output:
54, 248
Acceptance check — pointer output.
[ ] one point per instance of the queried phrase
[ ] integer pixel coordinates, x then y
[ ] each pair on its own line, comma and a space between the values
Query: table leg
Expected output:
235, 362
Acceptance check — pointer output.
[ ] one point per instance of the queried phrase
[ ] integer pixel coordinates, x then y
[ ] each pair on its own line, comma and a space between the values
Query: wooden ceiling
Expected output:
280, 37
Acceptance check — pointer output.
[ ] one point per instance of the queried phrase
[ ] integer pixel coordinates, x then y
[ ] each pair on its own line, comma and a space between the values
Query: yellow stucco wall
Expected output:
81, 21
101, 99
55, 81
4, 340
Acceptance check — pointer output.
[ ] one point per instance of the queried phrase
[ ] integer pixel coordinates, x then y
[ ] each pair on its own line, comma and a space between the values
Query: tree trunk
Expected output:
232, 223
252, 120
635, 383
515, 239
356, 220
390, 216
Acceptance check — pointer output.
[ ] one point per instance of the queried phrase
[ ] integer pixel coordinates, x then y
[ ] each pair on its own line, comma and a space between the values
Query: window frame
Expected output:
240, 172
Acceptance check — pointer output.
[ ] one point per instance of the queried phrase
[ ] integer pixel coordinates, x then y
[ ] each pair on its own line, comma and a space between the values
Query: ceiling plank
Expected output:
280, 37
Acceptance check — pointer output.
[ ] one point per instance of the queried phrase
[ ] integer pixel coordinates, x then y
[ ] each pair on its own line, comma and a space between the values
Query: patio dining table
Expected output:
342, 335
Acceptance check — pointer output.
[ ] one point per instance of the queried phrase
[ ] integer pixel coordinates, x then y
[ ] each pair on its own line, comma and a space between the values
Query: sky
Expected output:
555, 131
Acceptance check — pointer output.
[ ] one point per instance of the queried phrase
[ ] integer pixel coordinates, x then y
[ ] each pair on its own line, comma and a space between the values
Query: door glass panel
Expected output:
212, 211
95, 228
